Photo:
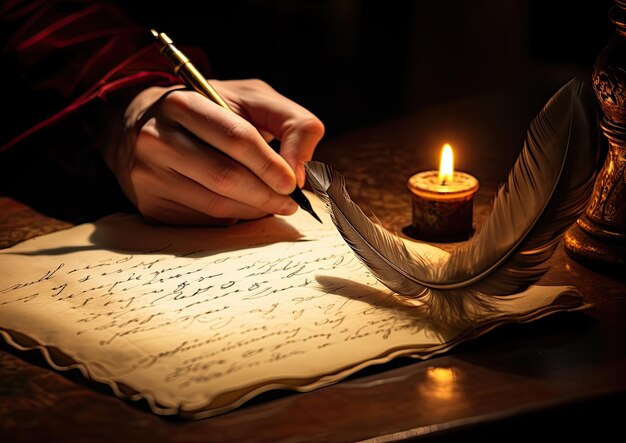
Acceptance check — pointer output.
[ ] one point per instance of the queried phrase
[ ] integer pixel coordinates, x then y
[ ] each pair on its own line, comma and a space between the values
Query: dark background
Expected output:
354, 62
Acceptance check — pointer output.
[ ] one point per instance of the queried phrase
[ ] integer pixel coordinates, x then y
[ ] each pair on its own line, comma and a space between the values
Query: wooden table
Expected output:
565, 373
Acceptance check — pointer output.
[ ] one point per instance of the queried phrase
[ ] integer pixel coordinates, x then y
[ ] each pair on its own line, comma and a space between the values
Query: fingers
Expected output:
298, 129
298, 143
232, 135
183, 159
174, 199
179, 167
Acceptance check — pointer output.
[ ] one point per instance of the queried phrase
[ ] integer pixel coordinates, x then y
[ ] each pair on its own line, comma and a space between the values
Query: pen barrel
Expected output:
197, 81
183, 67
176, 58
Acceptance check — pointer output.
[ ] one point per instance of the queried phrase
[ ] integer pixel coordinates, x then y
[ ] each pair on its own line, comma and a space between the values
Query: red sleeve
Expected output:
77, 52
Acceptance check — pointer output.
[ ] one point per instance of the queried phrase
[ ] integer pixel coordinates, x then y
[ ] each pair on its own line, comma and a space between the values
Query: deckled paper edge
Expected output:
124, 391
118, 388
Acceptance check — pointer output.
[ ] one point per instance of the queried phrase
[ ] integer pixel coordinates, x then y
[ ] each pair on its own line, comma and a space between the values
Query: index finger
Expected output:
231, 134
298, 129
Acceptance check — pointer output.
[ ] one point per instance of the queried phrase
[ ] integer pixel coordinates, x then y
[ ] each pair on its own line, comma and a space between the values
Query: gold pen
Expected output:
183, 67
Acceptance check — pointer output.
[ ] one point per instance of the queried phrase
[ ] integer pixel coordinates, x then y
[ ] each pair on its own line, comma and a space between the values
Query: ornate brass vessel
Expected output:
599, 237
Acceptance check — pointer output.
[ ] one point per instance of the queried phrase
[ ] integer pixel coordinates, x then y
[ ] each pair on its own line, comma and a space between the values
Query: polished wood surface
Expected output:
565, 372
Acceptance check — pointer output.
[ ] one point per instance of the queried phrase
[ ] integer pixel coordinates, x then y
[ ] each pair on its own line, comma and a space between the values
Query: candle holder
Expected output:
442, 213
598, 239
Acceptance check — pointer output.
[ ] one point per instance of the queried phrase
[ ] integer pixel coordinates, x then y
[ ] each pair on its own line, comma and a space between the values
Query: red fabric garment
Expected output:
78, 52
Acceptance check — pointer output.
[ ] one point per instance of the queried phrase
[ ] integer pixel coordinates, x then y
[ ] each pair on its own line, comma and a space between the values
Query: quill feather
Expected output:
383, 253
546, 191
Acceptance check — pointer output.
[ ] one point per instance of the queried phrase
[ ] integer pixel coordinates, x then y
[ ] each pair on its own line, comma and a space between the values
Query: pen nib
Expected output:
298, 196
312, 212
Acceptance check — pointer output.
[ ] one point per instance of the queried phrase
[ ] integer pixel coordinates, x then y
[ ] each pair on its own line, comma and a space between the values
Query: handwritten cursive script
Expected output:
190, 315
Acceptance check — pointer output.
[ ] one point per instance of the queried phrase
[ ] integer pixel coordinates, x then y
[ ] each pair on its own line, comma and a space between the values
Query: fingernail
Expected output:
300, 174
287, 185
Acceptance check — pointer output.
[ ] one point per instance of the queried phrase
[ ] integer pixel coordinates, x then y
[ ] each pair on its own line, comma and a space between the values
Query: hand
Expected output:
182, 159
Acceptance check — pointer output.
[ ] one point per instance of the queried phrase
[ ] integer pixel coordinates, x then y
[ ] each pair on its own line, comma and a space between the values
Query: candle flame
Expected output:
446, 167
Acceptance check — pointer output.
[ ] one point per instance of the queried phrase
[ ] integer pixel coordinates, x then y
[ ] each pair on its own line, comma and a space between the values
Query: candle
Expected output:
443, 202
